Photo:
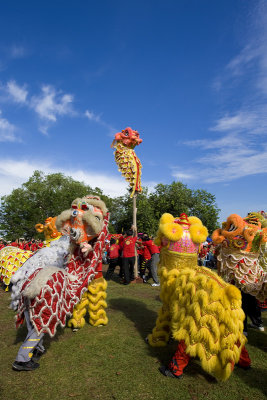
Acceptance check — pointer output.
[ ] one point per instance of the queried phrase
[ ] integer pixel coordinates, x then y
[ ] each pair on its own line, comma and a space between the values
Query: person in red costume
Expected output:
34, 246
146, 258
154, 252
21, 243
113, 256
181, 359
1, 244
128, 255
14, 243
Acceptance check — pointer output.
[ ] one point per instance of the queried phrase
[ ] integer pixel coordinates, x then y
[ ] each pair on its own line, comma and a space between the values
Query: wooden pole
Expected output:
135, 227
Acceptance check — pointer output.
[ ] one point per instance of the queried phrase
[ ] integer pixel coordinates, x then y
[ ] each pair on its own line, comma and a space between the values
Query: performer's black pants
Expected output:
112, 265
128, 268
251, 308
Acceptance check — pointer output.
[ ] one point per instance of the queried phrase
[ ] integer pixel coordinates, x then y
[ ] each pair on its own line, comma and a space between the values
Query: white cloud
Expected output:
51, 104
6, 130
243, 60
236, 145
97, 118
239, 121
181, 175
92, 116
13, 173
17, 93
16, 51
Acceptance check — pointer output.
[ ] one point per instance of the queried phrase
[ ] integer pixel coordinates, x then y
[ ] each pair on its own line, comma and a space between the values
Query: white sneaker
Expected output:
258, 327
155, 284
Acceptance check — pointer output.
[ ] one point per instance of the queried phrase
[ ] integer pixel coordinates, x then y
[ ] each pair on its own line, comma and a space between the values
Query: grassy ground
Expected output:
114, 362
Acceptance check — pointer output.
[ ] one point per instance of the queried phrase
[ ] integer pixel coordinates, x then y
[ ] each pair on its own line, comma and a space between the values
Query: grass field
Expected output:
114, 362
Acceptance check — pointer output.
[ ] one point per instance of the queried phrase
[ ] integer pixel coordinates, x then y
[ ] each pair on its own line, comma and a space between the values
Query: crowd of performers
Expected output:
204, 311
124, 250
23, 244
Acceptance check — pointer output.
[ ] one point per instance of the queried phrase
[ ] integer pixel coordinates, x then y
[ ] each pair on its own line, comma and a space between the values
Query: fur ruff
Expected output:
39, 281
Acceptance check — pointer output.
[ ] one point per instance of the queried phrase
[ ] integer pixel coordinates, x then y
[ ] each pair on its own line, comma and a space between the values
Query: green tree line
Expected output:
48, 195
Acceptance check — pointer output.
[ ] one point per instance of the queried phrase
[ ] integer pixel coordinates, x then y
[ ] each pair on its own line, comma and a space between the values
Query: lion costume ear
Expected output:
39, 227
166, 218
217, 236
171, 231
198, 232
194, 220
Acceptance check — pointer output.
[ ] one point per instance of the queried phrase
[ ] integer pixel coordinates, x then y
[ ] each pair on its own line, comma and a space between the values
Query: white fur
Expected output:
53, 256
34, 288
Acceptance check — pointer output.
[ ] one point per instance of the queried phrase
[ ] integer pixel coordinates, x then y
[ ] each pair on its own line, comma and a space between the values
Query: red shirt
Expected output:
2, 246
146, 252
113, 251
14, 244
128, 246
34, 247
152, 247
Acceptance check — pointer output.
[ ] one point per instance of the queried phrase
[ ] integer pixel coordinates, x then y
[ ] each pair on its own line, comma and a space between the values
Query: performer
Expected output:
113, 257
50, 293
128, 255
239, 247
201, 311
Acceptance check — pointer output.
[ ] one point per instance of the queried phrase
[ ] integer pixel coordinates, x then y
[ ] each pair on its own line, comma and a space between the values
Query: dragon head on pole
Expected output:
128, 163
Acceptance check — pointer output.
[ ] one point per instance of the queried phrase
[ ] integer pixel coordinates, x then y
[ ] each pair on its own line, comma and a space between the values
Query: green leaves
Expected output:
45, 196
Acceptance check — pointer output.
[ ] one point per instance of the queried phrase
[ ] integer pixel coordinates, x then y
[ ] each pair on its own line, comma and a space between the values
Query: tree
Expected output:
45, 196
121, 212
177, 198
174, 199
40, 197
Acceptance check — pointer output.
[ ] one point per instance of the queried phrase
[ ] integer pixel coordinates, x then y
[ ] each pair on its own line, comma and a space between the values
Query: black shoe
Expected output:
37, 354
244, 368
166, 372
126, 283
24, 366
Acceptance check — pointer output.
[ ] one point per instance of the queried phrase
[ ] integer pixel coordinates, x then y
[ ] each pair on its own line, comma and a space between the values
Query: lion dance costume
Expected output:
48, 295
242, 260
128, 163
241, 240
199, 309
13, 258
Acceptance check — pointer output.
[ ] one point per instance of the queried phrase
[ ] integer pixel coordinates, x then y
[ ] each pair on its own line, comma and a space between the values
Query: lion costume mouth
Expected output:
232, 228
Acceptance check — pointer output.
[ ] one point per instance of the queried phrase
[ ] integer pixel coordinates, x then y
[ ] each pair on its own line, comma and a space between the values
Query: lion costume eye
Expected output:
74, 213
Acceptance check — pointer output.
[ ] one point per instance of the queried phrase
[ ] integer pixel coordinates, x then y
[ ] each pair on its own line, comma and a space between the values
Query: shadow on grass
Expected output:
257, 339
253, 378
144, 320
136, 311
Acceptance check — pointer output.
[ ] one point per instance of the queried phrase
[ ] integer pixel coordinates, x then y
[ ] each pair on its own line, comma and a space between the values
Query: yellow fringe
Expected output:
201, 309
94, 302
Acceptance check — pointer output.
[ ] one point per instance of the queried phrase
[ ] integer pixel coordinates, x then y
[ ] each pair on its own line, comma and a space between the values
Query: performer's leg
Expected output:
143, 269
244, 360
178, 362
154, 267
112, 265
125, 268
252, 309
131, 267
31, 342
31, 346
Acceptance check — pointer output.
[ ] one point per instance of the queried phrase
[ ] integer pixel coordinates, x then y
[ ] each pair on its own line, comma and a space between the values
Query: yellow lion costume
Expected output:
198, 308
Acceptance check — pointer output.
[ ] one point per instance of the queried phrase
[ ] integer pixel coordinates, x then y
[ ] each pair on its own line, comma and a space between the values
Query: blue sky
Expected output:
189, 75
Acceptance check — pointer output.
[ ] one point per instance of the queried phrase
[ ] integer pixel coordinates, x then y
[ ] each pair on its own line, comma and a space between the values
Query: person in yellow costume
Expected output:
201, 311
